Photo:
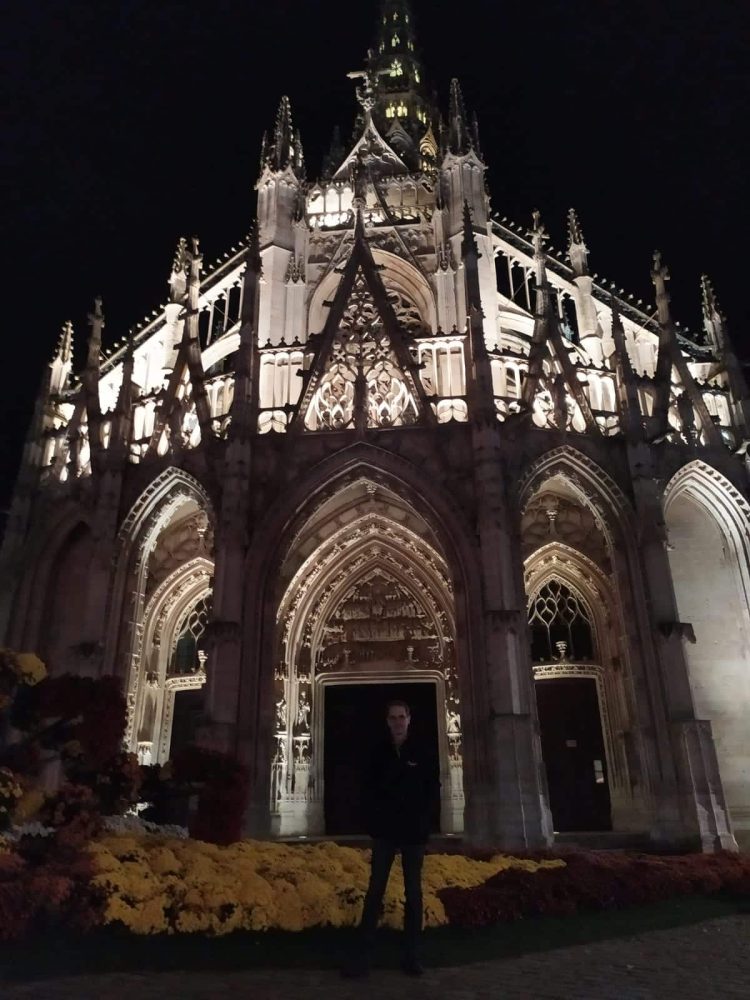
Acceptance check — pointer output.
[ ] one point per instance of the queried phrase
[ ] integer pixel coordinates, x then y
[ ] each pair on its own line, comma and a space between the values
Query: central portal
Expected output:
367, 615
354, 724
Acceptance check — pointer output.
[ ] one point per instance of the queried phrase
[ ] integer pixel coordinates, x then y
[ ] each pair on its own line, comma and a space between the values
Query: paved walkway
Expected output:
700, 962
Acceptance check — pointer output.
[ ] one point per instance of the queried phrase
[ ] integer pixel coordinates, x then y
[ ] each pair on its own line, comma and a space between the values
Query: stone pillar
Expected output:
507, 806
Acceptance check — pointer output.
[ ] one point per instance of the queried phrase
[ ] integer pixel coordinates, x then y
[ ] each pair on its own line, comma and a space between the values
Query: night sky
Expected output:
129, 124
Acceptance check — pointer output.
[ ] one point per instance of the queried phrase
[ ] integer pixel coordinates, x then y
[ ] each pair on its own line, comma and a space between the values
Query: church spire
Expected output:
460, 139
285, 149
394, 61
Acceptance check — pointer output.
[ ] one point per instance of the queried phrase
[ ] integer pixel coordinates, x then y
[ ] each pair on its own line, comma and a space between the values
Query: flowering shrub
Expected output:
594, 880
11, 791
156, 884
219, 782
55, 890
81, 717
15, 669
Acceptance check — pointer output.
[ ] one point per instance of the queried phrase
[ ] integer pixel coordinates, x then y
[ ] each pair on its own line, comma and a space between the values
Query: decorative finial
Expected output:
459, 138
660, 277
367, 93
713, 318
286, 148
538, 233
96, 319
177, 278
575, 234
65, 343
709, 301
577, 249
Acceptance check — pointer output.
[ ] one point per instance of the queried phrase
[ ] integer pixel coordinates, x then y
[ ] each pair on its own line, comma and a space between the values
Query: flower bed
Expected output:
595, 880
154, 884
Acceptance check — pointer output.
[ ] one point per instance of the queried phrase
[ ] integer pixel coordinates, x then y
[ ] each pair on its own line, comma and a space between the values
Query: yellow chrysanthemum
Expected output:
255, 885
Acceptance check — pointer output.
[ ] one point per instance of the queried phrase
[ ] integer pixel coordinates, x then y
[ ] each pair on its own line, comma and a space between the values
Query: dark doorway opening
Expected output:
573, 751
354, 724
186, 717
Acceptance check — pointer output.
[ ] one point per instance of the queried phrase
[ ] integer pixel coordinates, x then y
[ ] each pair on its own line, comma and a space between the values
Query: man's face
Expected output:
398, 720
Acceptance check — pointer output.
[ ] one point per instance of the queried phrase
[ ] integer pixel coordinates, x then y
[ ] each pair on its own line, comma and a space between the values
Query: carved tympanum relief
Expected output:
378, 619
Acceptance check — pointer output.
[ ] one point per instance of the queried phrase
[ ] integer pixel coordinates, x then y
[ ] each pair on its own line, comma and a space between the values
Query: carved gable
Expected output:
362, 354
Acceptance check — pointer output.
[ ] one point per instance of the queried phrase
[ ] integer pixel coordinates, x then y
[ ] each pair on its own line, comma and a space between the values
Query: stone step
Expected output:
604, 840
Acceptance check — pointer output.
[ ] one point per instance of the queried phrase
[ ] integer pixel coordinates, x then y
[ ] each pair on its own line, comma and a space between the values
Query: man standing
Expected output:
401, 790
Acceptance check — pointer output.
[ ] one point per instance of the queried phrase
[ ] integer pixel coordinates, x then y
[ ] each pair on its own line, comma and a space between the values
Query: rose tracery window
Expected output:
560, 625
186, 658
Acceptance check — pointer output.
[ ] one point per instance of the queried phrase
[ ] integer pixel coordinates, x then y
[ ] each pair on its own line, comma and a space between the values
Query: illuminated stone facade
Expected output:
391, 438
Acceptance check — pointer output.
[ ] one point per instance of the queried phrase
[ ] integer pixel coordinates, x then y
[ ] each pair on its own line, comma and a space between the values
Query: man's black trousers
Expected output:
383, 853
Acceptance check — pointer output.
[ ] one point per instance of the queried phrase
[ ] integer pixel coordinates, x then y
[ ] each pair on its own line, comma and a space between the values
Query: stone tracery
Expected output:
362, 353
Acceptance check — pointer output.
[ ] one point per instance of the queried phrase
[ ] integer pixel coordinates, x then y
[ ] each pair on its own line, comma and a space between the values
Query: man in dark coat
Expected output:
401, 789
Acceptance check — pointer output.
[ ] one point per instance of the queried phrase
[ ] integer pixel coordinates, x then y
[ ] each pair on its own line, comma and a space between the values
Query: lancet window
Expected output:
560, 625
186, 658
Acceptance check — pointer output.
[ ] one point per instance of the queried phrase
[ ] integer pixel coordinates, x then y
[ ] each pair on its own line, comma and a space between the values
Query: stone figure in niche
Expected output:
303, 712
281, 713
453, 723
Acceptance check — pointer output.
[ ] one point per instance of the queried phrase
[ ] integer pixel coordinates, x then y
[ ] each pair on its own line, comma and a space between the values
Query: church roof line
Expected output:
221, 268
602, 290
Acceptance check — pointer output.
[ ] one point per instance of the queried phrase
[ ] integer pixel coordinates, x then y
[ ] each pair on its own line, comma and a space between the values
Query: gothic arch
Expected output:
718, 497
558, 562
40, 557
444, 527
634, 687
159, 505
446, 519
708, 530
149, 724
168, 487
399, 276
593, 486
370, 559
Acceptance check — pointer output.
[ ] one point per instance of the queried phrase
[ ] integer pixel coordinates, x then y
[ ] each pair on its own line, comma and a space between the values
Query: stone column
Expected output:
507, 806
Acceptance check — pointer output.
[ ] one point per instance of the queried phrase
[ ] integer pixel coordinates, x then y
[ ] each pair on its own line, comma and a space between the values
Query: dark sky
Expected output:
128, 124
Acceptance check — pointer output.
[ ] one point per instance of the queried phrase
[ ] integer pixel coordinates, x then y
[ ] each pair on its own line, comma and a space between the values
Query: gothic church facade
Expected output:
393, 444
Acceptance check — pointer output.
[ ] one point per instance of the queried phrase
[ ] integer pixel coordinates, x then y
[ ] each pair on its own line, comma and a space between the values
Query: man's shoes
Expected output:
355, 968
412, 967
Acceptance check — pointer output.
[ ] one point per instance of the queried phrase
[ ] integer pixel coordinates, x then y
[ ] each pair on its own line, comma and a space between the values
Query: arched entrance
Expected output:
580, 659
367, 610
708, 527
570, 704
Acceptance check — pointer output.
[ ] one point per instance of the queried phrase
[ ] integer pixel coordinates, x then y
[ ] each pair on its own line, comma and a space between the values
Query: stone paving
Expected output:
698, 962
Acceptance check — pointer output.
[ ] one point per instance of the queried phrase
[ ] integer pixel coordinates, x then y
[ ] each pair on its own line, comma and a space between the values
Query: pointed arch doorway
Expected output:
367, 609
